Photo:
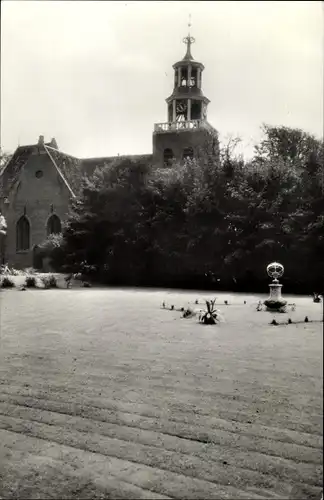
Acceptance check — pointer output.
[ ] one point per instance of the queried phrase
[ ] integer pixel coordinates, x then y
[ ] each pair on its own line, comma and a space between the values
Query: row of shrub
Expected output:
11, 271
49, 281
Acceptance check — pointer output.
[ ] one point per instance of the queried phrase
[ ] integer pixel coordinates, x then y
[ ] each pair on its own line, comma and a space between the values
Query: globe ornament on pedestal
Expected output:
275, 302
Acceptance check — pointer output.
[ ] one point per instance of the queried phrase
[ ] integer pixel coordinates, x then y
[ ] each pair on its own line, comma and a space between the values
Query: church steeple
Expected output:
186, 134
187, 102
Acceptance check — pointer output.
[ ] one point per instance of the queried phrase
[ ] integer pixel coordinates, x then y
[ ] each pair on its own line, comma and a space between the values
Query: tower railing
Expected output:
183, 125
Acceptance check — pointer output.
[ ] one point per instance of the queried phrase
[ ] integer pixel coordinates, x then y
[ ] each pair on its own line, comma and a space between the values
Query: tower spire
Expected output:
188, 40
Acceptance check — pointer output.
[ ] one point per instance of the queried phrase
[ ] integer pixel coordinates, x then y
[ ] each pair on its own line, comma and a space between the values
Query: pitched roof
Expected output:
69, 167
11, 171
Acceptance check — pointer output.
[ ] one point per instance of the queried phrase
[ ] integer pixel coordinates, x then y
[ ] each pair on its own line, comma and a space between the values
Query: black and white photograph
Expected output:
162, 213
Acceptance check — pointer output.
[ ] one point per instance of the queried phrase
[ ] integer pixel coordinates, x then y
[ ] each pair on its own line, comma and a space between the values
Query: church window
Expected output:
39, 174
168, 156
22, 234
54, 225
188, 154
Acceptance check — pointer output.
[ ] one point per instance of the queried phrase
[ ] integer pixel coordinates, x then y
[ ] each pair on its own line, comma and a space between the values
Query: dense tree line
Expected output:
212, 223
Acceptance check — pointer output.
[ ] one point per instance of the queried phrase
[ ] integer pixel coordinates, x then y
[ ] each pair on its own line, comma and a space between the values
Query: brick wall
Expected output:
34, 196
179, 140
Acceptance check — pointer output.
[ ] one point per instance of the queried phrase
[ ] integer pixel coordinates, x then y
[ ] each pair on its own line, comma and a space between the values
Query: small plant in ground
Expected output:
68, 280
49, 281
7, 282
30, 282
209, 316
86, 284
188, 313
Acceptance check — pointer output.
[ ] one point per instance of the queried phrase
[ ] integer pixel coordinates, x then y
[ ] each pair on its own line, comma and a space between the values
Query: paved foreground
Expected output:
105, 395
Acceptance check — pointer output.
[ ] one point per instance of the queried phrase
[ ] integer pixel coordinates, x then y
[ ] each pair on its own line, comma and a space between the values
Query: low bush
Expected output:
7, 271
16, 272
30, 270
53, 250
30, 282
49, 281
7, 282
11, 271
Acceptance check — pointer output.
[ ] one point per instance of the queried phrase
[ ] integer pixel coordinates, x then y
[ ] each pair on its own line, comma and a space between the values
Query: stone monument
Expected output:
275, 302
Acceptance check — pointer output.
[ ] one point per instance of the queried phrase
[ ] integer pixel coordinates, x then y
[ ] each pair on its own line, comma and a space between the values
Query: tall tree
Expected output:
287, 144
213, 216
101, 229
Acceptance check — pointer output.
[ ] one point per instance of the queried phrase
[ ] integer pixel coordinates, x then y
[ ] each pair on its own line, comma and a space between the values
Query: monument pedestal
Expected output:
275, 302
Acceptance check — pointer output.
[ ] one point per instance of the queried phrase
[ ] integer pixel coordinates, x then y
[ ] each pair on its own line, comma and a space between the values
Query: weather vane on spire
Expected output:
188, 40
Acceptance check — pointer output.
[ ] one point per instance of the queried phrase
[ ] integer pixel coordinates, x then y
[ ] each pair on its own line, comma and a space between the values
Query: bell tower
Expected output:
187, 131
187, 102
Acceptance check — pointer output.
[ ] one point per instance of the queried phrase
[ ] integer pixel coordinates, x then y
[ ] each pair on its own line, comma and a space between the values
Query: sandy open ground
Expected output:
103, 394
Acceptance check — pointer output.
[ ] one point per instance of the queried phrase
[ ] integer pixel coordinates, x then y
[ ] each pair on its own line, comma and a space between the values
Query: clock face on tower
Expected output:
181, 107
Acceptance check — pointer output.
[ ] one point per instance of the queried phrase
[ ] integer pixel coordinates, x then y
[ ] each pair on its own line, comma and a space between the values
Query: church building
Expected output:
39, 181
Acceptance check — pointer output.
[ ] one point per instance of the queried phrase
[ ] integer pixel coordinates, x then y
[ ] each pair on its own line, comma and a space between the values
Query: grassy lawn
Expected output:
103, 394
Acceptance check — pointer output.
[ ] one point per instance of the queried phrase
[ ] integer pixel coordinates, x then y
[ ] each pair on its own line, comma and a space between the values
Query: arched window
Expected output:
23, 234
54, 225
168, 156
188, 154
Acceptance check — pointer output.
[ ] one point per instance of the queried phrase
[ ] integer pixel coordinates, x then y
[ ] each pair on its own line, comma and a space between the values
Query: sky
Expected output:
95, 75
